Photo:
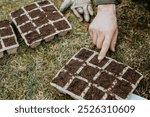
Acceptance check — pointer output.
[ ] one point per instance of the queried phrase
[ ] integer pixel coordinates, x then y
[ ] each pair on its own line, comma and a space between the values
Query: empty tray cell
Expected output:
4, 24
22, 19
39, 16
9, 41
88, 72
84, 54
61, 25
94, 94
105, 80
17, 13
77, 86
96, 62
115, 68
131, 76
32, 37
91, 81
62, 79
47, 30
30, 7
73, 66
49, 9
122, 89
6, 31
27, 27
43, 3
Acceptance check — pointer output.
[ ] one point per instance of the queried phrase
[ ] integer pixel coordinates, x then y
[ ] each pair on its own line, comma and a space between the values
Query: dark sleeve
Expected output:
98, 2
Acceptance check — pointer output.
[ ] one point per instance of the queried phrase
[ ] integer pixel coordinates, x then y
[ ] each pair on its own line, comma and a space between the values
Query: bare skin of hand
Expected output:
104, 29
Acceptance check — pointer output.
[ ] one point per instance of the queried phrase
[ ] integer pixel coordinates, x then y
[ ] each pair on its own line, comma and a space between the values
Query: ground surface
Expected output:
27, 75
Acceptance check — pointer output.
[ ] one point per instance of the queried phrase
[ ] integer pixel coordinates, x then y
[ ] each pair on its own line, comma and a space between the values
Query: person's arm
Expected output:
104, 29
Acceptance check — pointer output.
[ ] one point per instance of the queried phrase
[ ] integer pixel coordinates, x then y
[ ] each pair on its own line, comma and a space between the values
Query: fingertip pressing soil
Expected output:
17, 13
84, 54
122, 88
30, 7
105, 80
115, 68
32, 37
94, 94
9, 41
95, 61
22, 19
61, 25
62, 79
131, 76
77, 86
88, 72
4, 23
47, 30
5, 32
73, 66
27, 27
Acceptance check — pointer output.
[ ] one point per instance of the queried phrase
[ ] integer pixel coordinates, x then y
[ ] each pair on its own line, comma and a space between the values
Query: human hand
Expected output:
79, 7
104, 29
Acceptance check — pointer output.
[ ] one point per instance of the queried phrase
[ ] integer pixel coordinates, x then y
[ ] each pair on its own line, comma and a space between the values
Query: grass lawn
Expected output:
27, 74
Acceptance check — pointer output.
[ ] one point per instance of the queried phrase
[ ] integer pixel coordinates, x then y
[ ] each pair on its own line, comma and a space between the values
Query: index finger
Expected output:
105, 48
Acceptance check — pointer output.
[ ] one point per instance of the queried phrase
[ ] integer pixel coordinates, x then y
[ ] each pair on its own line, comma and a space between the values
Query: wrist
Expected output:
107, 8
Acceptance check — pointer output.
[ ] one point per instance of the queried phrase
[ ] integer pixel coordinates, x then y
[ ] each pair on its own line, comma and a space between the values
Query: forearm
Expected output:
98, 2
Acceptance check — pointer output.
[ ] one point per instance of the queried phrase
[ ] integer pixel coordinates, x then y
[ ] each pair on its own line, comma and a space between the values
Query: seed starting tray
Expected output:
40, 21
8, 41
84, 78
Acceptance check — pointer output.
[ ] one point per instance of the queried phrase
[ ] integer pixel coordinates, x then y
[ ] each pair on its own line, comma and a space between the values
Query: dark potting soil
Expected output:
22, 19
27, 27
43, 3
88, 72
73, 66
0, 45
36, 13
47, 30
110, 97
49, 9
17, 13
105, 80
95, 61
115, 68
30, 7
61, 25
54, 16
32, 37
84, 54
40, 21
6, 32
122, 88
9, 41
94, 94
131, 76
62, 79
77, 86
4, 23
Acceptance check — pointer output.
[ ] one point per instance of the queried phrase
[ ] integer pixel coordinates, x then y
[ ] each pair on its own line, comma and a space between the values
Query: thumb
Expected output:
65, 5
